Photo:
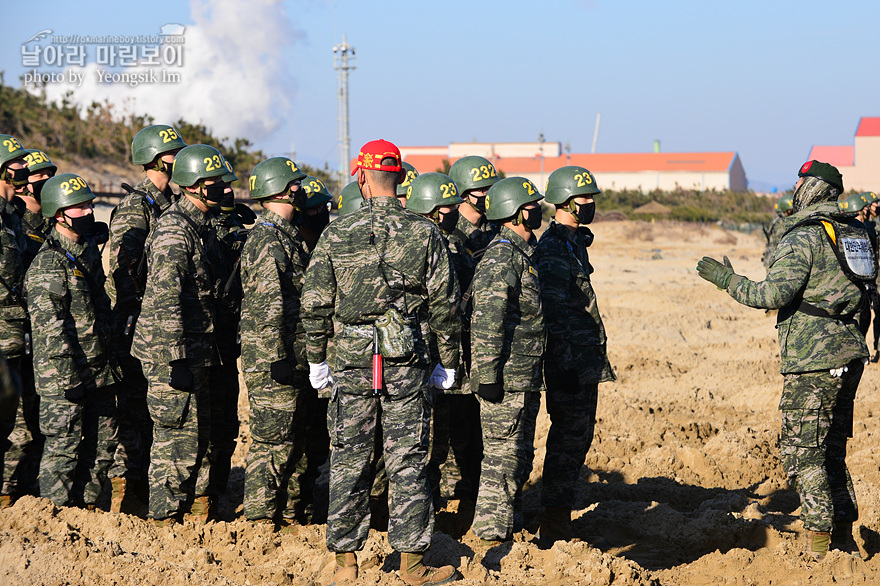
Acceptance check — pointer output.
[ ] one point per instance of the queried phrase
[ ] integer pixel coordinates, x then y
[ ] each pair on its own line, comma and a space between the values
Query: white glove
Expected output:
838, 372
319, 376
442, 378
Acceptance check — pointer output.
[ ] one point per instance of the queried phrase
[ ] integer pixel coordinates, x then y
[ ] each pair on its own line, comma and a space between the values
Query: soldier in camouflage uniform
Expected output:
435, 196
374, 268
776, 228
576, 360
70, 314
131, 221
15, 437
274, 263
174, 337
410, 174
818, 294
507, 345
350, 199
474, 175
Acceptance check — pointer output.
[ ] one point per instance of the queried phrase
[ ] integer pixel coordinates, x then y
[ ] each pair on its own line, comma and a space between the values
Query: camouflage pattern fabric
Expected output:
276, 457
9, 390
576, 359
13, 317
507, 326
509, 444
352, 280
402, 416
817, 420
179, 472
36, 228
71, 333
474, 237
804, 266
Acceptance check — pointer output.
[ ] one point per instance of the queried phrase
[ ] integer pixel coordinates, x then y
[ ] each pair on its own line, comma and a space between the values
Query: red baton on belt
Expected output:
377, 365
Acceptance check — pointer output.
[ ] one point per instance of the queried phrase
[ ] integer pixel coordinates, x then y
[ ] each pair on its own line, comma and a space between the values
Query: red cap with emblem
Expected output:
373, 152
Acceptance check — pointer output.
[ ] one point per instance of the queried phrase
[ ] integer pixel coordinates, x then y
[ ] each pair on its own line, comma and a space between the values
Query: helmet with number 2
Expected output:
63, 191
507, 196
411, 173
430, 191
473, 172
568, 182
316, 191
154, 141
272, 176
38, 161
197, 162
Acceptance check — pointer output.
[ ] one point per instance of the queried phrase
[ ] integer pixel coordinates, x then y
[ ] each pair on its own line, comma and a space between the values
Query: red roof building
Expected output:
860, 163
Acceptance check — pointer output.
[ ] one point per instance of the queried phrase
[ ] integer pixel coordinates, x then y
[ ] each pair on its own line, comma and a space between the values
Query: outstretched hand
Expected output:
715, 272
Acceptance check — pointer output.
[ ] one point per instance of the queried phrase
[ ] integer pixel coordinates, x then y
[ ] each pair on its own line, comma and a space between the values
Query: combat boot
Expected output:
117, 484
287, 527
166, 522
5, 501
817, 543
413, 571
346, 568
555, 526
200, 511
842, 539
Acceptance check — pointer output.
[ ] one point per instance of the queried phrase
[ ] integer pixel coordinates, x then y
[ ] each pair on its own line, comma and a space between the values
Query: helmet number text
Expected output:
583, 179
168, 135
448, 190
483, 172
213, 163
36, 157
75, 184
529, 187
11, 144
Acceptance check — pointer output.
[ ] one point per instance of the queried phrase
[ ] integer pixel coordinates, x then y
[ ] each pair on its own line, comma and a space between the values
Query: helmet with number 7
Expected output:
568, 182
197, 162
473, 172
507, 196
411, 173
430, 191
63, 191
316, 191
272, 176
154, 141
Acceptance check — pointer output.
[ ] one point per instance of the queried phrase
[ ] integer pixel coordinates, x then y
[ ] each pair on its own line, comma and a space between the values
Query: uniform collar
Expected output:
516, 239
270, 217
76, 248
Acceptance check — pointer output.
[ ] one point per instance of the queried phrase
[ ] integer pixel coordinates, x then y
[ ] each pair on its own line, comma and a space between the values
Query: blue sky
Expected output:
767, 79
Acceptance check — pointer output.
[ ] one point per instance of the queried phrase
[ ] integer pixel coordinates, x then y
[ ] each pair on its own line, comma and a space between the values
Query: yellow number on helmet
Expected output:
291, 165
529, 187
253, 181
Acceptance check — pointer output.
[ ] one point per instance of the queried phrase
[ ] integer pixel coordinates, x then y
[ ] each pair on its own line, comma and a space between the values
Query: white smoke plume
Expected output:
232, 79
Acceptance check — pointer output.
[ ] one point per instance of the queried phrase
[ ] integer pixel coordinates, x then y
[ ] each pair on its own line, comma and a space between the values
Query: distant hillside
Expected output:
95, 141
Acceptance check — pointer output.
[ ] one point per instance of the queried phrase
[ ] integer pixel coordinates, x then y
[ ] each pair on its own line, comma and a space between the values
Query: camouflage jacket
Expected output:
805, 268
70, 315
574, 326
177, 316
507, 325
130, 224
231, 236
273, 271
13, 316
351, 283
472, 237
36, 229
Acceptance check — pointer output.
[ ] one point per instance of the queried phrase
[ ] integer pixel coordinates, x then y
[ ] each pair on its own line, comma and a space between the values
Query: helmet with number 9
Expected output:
473, 172
154, 141
38, 161
272, 176
568, 182
63, 191
411, 173
507, 196
316, 191
197, 162
350, 199
430, 191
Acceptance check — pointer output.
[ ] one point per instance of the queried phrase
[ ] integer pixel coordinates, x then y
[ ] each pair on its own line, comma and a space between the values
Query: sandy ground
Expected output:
682, 485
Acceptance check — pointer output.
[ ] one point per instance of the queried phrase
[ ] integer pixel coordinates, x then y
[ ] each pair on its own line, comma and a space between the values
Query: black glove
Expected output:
181, 376
77, 393
281, 372
491, 392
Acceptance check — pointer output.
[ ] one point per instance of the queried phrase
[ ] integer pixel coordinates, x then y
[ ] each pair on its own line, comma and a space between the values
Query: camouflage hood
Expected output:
813, 191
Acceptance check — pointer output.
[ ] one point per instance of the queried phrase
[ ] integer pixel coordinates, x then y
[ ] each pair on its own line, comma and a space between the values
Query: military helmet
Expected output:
316, 191
508, 195
568, 182
350, 199
37, 160
272, 176
430, 191
784, 204
63, 191
154, 141
230, 175
854, 203
870, 196
197, 162
411, 173
473, 172
10, 149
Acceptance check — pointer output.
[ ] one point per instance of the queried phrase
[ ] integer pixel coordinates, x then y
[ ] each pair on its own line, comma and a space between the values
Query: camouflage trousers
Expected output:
223, 383
135, 425
181, 432
817, 420
317, 448
572, 410
21, 441
276, 460
509, 448
456, 447
402, 415
81, 443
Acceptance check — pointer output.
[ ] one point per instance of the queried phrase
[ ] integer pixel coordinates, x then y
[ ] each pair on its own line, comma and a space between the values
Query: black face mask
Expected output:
214, 193
532, 218
480, 205
227, 205
317, 222
448, 221
37, 186
586, 212
83, 225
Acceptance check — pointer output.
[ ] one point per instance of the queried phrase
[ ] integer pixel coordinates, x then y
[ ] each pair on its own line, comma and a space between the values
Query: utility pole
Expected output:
541, 142
343, 62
